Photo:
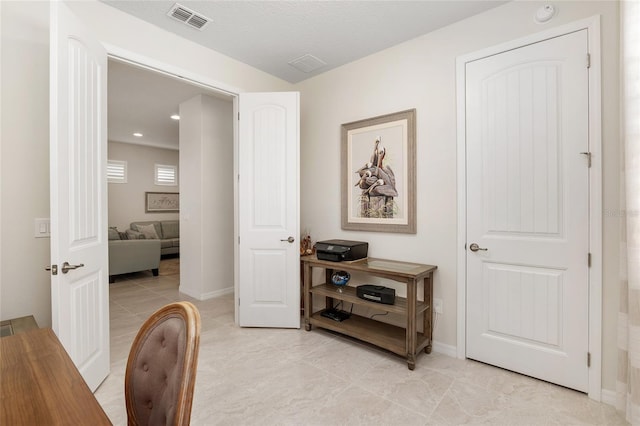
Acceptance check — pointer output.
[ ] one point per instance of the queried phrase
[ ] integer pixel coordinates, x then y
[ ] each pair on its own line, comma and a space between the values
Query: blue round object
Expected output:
340, 278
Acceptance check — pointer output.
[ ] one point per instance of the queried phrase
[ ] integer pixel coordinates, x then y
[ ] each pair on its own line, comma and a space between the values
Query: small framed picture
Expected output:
162, 202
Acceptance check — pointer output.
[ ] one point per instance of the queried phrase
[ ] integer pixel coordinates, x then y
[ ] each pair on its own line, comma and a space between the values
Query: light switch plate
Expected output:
42, 228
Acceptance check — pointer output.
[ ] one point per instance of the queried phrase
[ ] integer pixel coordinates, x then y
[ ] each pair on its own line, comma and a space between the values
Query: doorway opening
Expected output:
147, 134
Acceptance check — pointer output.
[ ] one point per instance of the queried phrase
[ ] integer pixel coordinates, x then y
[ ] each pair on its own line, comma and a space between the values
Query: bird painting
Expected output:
377, 180
366, 180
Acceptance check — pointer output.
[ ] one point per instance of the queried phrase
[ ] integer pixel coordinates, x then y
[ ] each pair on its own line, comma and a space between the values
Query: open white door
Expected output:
78, 121
269, 169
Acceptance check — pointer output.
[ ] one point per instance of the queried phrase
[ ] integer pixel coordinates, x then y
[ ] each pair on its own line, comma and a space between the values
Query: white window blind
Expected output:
166, 175
116, 171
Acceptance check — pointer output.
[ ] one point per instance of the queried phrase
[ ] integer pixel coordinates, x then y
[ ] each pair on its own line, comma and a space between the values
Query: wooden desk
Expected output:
40, 385
406, 341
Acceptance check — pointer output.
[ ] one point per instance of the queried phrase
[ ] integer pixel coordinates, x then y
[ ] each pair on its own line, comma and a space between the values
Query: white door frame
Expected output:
208, 84
592, 25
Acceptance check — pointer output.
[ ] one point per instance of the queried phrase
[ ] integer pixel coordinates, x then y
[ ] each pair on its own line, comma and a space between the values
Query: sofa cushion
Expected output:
165, 243
170, 228
149, 231
136, 226
113, 233
176, 242
134, 235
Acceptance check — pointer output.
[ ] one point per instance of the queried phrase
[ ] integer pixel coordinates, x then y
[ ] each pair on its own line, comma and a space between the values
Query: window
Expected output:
166, 175
116, 171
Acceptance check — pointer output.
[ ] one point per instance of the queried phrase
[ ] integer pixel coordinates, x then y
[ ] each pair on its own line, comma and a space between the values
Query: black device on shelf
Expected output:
376, 293
335, 314
339, 250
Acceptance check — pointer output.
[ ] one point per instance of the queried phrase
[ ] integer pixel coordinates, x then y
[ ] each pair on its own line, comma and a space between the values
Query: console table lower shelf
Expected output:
377, 333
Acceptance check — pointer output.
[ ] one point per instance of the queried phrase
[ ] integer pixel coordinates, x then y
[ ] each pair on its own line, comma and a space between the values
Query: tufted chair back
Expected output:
161, 369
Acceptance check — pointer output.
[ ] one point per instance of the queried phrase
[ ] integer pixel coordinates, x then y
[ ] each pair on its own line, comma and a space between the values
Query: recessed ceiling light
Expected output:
175, 117
137, 134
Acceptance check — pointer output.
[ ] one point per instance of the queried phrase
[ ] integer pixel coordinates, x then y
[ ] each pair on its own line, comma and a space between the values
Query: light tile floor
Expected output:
293, 377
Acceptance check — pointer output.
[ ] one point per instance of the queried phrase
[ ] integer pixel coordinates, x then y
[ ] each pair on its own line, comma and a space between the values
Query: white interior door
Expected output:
78, 121
527, 210
269, 169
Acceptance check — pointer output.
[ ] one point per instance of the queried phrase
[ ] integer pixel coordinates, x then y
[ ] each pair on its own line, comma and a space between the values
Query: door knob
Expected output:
66, 267
475, 247
289, 240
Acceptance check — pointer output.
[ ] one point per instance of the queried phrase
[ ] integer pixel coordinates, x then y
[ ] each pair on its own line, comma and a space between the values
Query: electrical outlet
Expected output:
437, 306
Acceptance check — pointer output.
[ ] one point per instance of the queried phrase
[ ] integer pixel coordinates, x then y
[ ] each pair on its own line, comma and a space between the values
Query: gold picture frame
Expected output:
379, 173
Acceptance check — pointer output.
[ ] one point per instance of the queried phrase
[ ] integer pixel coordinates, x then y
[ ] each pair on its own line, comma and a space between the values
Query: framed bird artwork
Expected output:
379, 173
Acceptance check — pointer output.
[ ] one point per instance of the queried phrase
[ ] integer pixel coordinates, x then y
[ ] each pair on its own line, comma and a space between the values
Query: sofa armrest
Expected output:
127, 256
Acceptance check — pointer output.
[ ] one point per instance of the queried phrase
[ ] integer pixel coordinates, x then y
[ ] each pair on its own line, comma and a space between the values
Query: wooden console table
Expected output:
40, 385
406, 341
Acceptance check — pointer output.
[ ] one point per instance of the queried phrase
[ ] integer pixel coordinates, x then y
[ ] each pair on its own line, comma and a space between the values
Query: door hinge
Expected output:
238, 116
588, 154
589, 260
238, 239
588, 60
588, 359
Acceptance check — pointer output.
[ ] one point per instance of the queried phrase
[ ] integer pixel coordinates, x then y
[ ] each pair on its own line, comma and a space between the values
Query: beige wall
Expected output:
126, 200
206, 211
25, 287
421, 74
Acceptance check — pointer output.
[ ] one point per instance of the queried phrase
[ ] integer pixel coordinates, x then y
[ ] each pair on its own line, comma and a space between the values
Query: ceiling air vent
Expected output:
307, 63
188, 17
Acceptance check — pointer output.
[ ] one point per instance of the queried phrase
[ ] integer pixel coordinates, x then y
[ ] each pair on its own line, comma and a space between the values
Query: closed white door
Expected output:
527, 210
78, 150
269, 185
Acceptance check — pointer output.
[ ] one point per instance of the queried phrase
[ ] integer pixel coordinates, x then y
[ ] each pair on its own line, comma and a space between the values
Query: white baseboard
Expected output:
217, 293
210, 295
608, 397
445, 349
181, 289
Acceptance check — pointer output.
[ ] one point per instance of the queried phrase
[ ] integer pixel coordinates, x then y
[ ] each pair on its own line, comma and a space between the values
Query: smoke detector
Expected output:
545, 14
188, 17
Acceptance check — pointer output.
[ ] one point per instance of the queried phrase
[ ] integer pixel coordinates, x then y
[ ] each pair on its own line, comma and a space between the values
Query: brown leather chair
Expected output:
161, 369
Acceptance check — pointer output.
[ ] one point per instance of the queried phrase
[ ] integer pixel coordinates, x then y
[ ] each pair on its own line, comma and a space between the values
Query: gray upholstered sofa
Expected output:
126, 256
167, 231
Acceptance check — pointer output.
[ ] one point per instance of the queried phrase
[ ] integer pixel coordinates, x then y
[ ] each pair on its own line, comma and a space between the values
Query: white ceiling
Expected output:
267, 35
270, 34
143, 101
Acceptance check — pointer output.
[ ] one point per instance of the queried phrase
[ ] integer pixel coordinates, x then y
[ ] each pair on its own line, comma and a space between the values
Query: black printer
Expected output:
339, 250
